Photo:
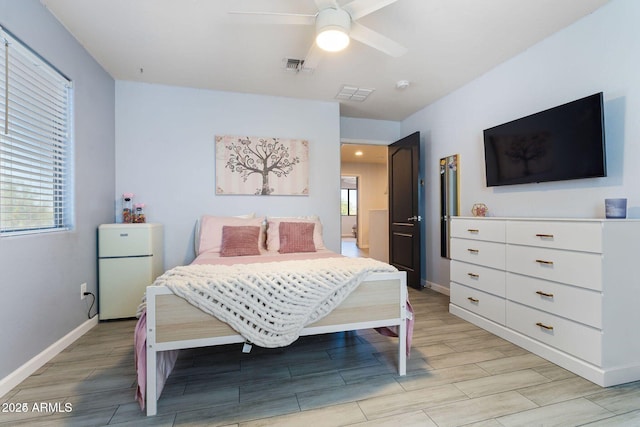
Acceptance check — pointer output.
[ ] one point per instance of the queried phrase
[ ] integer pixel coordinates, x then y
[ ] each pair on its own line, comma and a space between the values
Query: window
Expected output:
348, 202
35, 189
348, 195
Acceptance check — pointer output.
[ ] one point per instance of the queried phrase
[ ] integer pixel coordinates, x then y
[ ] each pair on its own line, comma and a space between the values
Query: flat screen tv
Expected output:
561, 143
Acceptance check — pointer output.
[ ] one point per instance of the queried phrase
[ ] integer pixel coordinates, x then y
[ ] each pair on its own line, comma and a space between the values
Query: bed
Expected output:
170, 322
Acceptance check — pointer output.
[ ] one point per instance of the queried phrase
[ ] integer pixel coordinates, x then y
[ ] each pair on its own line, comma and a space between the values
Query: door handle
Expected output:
415, 218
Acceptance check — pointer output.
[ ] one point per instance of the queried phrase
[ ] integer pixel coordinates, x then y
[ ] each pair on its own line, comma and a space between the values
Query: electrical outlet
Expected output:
83, 289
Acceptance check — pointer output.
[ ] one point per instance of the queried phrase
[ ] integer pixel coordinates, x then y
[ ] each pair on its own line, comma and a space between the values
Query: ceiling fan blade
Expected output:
313, 58
376, 40
275, 18
323, 4
359, 8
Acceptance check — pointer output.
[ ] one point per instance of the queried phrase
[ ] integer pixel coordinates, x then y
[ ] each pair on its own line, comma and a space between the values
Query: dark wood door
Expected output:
404, 216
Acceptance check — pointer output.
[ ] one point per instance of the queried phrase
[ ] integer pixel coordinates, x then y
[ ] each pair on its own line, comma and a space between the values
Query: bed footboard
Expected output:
172, 323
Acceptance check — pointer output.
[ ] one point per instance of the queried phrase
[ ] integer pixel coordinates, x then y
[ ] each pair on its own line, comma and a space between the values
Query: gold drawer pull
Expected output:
545, 236
544, 294
473, 275
473, 230
541, 261
473, 251
473, 300
547, 327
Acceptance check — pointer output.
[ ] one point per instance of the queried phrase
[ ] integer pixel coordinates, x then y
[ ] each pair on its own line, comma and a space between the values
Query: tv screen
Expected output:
564, 142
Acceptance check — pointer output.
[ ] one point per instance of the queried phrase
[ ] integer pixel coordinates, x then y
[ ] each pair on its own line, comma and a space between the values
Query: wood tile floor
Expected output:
350, 248
458, 374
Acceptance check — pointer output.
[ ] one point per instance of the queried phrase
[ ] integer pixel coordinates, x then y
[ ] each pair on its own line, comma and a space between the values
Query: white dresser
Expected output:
565, 289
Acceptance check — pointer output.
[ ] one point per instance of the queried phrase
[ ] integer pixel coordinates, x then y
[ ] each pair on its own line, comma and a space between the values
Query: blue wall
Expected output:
598, 53
40, 275
165, 154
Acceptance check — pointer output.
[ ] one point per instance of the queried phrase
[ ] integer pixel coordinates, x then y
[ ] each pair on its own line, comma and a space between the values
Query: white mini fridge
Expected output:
130, 257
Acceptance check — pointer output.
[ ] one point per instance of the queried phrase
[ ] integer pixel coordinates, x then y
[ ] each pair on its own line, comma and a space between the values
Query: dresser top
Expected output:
523, 218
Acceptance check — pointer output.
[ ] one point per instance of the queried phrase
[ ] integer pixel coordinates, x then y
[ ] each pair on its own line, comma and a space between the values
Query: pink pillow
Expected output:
296, 237
211, 230
273, 231
240, 240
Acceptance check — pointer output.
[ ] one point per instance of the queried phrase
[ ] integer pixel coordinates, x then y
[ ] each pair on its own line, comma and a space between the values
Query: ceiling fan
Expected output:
335, 26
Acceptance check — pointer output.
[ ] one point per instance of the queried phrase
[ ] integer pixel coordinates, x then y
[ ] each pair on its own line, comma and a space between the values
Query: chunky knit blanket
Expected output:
269, 303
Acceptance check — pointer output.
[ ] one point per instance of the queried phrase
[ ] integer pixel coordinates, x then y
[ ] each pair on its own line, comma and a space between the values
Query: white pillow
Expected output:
273, 234
196, 240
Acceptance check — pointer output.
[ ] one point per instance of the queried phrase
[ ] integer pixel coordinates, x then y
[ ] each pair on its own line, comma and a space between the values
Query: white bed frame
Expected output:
172, 323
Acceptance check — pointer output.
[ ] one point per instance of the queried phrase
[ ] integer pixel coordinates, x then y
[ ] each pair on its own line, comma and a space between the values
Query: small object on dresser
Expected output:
479, 209
127, 208
138, 213
615, 208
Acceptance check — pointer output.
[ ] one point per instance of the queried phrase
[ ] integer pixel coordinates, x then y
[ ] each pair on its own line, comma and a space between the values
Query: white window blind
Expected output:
34, 142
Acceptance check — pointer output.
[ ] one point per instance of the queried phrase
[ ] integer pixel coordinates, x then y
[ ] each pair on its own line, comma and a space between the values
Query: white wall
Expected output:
40, 274
347, 223
598, 53
165, 154
368, 131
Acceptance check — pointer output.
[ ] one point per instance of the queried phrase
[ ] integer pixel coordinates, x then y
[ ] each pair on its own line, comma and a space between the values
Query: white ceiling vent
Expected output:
292, 65
353, 93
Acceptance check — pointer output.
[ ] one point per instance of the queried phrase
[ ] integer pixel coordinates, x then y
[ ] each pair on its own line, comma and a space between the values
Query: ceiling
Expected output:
368, 153
197, 43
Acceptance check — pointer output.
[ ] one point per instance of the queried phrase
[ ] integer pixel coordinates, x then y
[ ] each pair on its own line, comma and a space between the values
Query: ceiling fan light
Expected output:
332, 29
332, 39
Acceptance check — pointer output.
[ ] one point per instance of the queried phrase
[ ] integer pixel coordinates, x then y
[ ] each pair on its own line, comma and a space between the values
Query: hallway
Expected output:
350, 249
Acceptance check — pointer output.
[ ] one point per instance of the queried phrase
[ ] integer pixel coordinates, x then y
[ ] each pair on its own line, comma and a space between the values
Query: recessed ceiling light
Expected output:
358, 153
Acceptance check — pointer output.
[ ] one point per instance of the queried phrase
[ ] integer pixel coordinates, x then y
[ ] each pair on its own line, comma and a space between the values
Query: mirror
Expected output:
449, 198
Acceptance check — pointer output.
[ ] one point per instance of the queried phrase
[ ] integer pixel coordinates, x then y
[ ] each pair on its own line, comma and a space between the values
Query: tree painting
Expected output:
265, 166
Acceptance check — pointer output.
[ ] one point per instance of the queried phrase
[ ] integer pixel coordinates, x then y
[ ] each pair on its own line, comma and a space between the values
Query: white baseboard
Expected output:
16, 377
438, 288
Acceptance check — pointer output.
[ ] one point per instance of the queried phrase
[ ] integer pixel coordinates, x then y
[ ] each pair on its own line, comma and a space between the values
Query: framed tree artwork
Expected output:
264, 166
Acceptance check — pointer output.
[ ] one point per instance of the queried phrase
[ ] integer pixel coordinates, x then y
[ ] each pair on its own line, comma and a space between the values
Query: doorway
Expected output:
349, 217
366, 164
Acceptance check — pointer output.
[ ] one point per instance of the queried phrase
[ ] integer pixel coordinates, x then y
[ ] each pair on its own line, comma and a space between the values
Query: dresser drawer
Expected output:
478, 277
478, 229
488, 254
577, 236
581, 305
575, 268
478, 302
574, 338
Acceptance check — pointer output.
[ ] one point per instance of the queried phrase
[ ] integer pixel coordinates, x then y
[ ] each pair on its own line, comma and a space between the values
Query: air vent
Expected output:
292, 65
353, 93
